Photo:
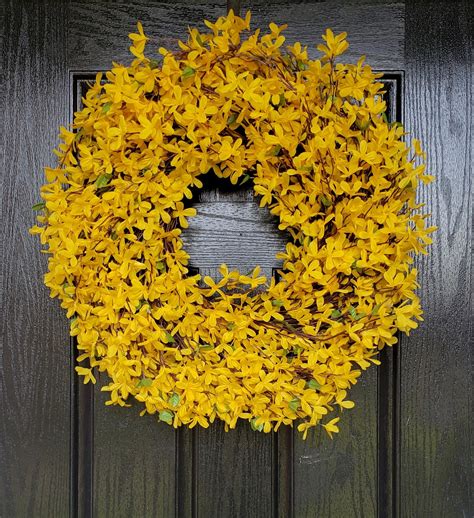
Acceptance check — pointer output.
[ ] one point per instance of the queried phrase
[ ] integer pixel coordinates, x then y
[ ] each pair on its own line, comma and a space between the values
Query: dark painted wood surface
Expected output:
98, 34
34, 343
62, 457
436, 455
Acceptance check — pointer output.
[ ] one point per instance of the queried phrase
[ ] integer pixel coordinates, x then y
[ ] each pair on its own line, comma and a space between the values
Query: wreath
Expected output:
312, 138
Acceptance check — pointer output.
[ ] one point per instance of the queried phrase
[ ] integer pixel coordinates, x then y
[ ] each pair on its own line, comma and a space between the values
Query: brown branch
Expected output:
234, 5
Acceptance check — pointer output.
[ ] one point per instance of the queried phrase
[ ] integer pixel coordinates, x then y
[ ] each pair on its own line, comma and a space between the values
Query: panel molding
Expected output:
282, 442
82, 395
388, 373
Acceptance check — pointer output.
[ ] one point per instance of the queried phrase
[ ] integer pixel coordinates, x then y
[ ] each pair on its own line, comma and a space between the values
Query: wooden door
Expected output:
405, 450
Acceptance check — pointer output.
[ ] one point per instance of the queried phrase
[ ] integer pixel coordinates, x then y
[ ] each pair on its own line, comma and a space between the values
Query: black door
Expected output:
405, 450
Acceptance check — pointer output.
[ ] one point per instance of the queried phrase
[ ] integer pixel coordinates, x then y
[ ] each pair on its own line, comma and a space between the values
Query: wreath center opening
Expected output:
230, 228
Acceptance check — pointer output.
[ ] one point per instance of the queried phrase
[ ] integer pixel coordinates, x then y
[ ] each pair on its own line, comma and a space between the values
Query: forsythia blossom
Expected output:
312, 137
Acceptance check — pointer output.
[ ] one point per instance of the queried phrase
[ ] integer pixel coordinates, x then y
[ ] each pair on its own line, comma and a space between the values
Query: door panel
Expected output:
133, 464
403, 451
126, 464
235, 468
352, 475
241, 466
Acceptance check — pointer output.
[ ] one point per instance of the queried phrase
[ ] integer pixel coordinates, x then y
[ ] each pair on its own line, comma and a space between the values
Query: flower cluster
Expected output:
312, 138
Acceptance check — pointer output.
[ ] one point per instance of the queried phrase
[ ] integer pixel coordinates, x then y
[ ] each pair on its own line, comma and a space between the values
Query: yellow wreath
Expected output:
312, 137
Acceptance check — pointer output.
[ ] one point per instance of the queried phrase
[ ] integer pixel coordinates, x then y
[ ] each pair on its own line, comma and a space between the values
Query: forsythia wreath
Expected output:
313, 139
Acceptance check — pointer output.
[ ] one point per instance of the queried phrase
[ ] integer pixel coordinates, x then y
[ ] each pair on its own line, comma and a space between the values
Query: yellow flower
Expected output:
87, 373
331, 426
139, 41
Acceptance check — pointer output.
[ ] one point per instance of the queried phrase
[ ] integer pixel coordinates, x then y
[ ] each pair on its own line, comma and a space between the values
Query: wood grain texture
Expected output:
134, 463
234, 472
436, 362
238, 233
338, 477
375, 28
34, 371
137, 467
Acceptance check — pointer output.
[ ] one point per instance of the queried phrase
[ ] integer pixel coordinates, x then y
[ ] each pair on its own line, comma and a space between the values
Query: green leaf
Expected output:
161, 265
245, 179
154, 63
302, 65
313, 385
187, 72
275, 150
169, 338
336, 314
106, 107
166, 416
325, 201
294, 352
141, 303
291, 328
254, 426
294, 404
352, 312
363, 126
206, 347
232, 118
174, 399
113, 235
230, 326
199, 40
278, 303
145, 382
103, 180
39, 206
375, 309
385, 118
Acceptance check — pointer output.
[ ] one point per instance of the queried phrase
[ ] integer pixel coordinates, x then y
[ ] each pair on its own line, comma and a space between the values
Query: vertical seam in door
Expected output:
275, 473
283, 465
73, 446
194, 482
177, 444
395, 430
